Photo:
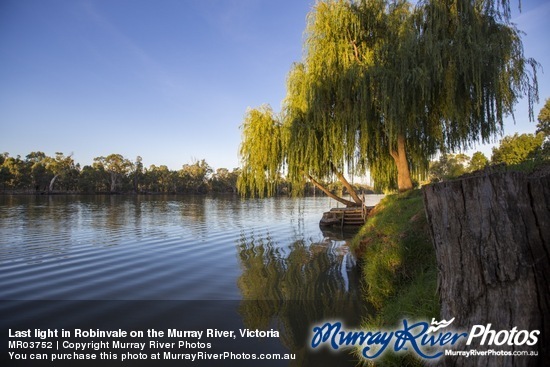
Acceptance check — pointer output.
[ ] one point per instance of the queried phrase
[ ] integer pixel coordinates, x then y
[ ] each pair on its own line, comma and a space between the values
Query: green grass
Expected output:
398, 267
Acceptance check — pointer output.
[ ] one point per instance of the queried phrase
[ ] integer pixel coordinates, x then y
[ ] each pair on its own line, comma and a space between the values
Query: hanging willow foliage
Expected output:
322, 95
477, 69
262, 152
384, 86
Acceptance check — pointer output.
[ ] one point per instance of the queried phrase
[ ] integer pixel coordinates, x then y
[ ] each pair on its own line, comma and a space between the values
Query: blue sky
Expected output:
168, 80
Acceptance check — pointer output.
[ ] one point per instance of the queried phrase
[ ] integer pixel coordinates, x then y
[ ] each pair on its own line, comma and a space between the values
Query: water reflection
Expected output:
252, 263
290, 288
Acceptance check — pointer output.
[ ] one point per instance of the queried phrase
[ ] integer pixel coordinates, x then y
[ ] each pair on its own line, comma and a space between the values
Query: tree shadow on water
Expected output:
292, 288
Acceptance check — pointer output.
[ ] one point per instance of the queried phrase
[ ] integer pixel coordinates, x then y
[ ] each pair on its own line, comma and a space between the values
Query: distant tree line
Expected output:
42, 174
39, 173
521, 151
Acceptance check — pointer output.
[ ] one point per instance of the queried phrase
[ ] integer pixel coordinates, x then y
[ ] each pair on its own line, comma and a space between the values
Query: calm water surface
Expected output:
194, 248
169, 247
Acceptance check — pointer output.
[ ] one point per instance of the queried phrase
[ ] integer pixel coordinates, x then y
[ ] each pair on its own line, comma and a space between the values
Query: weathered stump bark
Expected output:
492, 239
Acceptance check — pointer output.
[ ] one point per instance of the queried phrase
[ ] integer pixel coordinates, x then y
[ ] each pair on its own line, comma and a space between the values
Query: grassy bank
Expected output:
398, 267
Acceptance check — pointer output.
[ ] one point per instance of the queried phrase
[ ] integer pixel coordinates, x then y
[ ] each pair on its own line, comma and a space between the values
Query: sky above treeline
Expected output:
167, 80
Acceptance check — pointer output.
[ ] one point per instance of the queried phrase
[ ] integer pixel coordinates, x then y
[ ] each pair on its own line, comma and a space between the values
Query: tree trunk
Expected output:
52, 182
404, 182
113, 182
492, 240
348, 187
330, 194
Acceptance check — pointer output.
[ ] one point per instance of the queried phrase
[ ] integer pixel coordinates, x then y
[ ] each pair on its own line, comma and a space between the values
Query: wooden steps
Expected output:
354, 216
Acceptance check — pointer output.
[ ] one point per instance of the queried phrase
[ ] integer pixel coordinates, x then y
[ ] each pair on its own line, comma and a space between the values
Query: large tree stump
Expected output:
492, 239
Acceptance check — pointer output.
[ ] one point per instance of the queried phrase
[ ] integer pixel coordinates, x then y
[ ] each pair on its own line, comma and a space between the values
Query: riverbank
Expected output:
398, 267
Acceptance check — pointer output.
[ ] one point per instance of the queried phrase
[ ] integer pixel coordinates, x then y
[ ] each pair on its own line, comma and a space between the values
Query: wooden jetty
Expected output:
350, 216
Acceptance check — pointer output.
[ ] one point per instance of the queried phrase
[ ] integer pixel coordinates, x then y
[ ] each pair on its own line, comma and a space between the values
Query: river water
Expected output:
163, 260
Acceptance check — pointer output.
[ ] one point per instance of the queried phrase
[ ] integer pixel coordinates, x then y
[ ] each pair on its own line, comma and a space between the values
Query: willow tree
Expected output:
308, 140
384, 86
261, 151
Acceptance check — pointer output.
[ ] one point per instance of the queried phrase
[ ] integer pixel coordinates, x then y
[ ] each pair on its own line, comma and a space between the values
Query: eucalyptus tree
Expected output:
15, 172
40, 175
59, 166
543, 119
384, 86
543, 127
5, 174
518, 148
224, 180
88, 180
137, 173
163, 179
116, 166
449, 166
194, 177
478, 162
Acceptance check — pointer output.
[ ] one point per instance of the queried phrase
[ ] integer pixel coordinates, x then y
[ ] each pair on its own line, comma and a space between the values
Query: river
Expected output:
143, 260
